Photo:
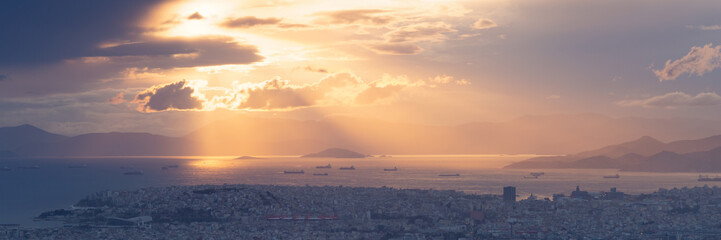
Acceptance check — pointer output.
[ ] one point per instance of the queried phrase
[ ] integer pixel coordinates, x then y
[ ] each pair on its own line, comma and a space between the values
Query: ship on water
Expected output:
326, 166
133, 173
708, 179
537, 174
320, 174
348, 168
450, 175
293, 172
391, 169
613, 176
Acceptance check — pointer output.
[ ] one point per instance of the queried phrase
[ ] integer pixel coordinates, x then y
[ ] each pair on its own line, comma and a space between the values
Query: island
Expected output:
335, 153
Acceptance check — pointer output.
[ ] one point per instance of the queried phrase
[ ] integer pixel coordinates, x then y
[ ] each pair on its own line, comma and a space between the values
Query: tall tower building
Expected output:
509, 194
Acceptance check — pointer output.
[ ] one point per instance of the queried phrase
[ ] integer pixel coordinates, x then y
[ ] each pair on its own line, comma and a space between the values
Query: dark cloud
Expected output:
195, 16
318, 70
173, 96
249, 21
357, 16
395, 48
3, 77
48, 31
167, 53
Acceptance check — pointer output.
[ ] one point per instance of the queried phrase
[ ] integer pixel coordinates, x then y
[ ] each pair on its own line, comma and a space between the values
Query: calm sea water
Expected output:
32, 186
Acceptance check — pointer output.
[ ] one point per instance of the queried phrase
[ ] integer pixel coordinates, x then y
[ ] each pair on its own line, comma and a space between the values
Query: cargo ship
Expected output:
326, 166
612, 176
449, 175
391, 169
709, 179
293, 172
320, 174
348, 168
133, 173
537, 174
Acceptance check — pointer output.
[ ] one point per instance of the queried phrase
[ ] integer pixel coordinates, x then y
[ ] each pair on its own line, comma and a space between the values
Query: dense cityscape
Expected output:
337, 212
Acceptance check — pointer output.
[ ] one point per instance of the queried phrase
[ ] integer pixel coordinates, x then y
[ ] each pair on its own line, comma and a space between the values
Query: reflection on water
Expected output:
32, 186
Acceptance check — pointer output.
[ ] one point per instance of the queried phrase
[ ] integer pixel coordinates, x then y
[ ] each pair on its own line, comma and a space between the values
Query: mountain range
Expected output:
243, 135
643, 154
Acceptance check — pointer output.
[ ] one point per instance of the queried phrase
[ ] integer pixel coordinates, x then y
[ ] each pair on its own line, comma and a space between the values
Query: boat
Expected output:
133, 173
30, 167
391, 169
169, 167
78, 166
449, 175
293, 172
326, 166
320, 174
612, 176
537, 174
348, 168
530, 177
708, 179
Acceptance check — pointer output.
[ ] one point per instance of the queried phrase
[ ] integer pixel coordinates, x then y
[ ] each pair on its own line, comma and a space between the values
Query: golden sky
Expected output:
169, 66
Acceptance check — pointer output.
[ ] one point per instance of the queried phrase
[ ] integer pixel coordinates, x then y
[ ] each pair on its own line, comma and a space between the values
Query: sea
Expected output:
29, 187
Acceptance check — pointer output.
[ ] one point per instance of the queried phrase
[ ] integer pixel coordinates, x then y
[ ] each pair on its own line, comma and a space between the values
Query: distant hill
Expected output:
245, 135
111, 144
644, 154
335, 153
248, 157
14, 137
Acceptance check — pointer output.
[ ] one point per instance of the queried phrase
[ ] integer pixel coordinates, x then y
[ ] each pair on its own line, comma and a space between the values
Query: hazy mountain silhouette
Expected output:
111, 144
335, 153
14, 137
243, 135
644, 154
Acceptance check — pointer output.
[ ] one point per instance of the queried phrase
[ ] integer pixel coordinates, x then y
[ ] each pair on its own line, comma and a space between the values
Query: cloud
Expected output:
385, 88
674, 100
195, 16
249, 21
117, 99
46, 32
278, 94
394, 48
419, 32
446, 79
317, 70
180, 52
699, 61
173, 96
3, 77
357, 16
484, 23
705, 27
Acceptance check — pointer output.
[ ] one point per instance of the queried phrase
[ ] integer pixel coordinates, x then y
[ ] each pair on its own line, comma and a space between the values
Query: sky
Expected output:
169, 67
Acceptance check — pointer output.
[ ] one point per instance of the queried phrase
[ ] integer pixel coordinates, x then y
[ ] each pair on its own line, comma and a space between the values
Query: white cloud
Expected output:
674, 100
699, 61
